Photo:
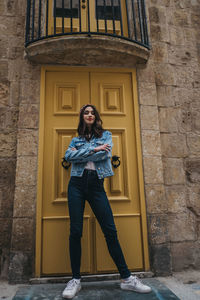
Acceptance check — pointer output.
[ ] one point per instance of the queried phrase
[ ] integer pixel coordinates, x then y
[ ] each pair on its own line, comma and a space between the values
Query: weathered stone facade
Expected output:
169, 92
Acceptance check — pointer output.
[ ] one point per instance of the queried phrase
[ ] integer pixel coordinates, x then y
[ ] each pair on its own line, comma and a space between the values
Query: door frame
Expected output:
44, 69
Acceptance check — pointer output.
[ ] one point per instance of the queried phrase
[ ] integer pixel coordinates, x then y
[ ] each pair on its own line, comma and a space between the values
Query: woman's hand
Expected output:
105, 147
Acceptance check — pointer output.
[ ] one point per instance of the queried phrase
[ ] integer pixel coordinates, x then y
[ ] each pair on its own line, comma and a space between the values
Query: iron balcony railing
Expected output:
124, 19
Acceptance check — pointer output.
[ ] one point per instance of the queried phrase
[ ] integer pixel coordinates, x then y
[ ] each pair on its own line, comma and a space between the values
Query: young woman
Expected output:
90, 155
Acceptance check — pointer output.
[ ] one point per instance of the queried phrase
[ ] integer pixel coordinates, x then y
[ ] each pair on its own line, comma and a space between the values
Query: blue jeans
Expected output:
90, 187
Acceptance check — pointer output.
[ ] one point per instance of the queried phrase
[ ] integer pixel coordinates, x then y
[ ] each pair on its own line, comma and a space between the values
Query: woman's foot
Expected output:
72, 288
133, 283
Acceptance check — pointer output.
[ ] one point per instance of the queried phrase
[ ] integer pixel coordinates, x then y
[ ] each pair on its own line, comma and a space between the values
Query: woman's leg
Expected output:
99, 203
76, 204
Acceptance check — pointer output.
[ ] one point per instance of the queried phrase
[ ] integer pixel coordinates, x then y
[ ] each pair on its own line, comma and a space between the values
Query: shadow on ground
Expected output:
95, 291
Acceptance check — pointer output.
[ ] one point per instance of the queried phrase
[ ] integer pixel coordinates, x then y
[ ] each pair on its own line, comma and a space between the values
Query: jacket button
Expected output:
99, 168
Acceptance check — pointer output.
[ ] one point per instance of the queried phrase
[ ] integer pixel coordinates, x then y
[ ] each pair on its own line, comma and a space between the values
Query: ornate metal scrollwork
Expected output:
115, 161
65, 164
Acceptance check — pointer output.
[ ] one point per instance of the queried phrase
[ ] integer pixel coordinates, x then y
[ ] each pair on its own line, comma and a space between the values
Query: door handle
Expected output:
115, 161
83, 6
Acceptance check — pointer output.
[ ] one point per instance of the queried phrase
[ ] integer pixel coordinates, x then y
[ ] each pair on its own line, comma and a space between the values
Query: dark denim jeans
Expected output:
90, 187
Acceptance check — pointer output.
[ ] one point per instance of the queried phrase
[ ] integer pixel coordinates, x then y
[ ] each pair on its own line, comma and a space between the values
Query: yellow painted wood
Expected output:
85, 23
63, 92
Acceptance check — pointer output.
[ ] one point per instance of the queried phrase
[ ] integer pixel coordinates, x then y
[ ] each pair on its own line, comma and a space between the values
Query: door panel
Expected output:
77, 19
111, 93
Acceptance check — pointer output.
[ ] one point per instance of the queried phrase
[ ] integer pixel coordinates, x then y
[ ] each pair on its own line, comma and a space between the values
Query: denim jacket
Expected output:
85, 152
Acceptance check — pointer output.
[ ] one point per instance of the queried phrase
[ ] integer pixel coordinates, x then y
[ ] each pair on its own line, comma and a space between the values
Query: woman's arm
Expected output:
90, 153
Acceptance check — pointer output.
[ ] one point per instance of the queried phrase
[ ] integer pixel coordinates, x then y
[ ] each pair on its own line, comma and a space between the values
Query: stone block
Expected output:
10, 6
27, 142
185, 123
23, 234
15, 53
176, 36
153, 170
30, 91
28, 116
160, 257
182, 256
159, 33
158, 229
3, 70
193, 142
165, 95
176, 197
8, 144
182, 227
5, 232
164, 3
189, 35
151, 142
155, 199
4, 259
30, 71
164, 74
21, 266
157, 14
4, 93
7, 26
147, 93
145, 73
173, 145
26, 170
183, 76
183, 97
8, 118
3, 48
7, 171
195, 99
195, 19
179, 55
192, 166
196, 80
6, 200
25, 201
169, 117
173, 171
193, 203
15, 68
149, 117
179, 18
14, 93
182, 4
160, 52
195, 119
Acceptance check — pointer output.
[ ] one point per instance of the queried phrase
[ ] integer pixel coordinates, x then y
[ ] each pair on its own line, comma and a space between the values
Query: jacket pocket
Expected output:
79, 145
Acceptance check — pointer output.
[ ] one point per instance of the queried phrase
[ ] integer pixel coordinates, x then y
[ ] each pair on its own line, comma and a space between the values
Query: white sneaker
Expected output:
72, 288
133, 283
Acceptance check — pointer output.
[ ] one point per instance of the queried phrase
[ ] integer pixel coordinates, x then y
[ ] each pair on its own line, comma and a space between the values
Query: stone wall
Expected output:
169, 89
169, 92
19, 106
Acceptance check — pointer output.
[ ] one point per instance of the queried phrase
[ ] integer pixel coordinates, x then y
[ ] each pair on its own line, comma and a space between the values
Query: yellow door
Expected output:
112, 94
90, 16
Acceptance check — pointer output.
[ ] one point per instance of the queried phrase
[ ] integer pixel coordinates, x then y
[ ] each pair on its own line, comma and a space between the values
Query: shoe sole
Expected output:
131, 289
70, 297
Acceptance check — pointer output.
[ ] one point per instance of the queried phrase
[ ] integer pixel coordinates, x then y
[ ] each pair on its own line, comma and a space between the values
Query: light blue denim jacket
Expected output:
85, 152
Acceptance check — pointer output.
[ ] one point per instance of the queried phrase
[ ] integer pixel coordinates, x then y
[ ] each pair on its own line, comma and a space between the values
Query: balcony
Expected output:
87, 32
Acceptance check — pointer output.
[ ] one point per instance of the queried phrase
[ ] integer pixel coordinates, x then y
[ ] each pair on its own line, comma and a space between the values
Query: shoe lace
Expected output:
137, 281
71, 284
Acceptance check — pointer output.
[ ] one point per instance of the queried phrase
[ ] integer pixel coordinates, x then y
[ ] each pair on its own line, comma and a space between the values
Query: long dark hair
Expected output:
96, 129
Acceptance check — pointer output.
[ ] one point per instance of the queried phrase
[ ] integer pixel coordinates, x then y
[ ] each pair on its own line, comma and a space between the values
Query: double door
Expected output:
101, 16
112, 94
